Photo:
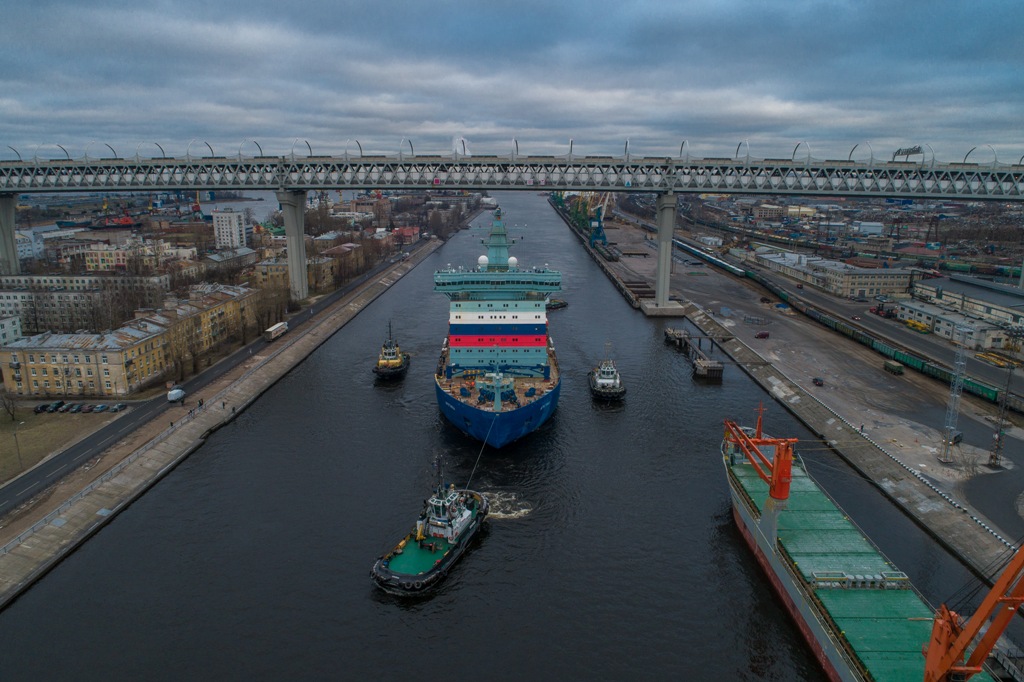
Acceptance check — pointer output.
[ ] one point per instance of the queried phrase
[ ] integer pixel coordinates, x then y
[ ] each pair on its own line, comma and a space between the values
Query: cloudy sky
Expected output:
829, 73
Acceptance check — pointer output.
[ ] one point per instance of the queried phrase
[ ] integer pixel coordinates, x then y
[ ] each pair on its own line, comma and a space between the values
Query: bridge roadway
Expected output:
292, 177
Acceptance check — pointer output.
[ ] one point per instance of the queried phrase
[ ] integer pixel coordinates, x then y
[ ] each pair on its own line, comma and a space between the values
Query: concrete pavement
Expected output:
37, 539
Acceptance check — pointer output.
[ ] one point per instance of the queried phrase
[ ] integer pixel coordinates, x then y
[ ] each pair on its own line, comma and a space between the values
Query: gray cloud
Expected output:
832, 73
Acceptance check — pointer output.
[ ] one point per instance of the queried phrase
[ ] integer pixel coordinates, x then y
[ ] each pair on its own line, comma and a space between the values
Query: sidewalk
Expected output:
107, 484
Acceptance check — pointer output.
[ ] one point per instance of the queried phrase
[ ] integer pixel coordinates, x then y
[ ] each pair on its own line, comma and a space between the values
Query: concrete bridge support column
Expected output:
293, 206
666, 228
8, 243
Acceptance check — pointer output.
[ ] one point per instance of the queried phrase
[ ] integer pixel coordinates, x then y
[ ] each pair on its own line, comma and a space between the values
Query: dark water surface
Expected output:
612, 555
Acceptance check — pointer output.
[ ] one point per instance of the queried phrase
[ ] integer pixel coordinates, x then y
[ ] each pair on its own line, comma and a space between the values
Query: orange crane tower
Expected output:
951, 637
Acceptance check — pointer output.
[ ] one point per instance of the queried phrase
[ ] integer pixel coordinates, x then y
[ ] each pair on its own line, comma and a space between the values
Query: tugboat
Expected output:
392, 362
555, 304
450, 519
605, 382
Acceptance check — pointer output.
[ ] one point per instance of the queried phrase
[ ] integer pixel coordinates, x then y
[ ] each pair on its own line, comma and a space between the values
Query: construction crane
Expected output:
951, 638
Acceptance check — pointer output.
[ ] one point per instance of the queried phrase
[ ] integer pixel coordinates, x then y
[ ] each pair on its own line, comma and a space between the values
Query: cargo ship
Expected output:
497, 378
860, 615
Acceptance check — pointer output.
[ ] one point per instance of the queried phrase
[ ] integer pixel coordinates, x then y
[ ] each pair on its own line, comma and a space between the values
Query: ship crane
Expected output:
951, 638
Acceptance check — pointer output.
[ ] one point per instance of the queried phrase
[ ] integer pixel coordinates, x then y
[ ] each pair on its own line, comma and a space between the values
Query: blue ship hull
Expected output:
498, 429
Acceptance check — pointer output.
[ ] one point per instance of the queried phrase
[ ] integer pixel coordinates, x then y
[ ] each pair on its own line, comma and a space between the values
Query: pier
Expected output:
703, 366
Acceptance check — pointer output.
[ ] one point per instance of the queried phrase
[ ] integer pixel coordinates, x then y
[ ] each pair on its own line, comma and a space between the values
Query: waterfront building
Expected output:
143, 351
321, 272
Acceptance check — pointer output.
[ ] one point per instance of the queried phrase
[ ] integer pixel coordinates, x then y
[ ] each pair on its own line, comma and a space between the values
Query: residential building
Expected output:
10, 328
230, 229
141, 352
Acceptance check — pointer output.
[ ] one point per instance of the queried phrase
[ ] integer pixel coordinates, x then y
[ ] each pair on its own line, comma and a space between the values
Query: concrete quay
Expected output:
855, 411
109, 483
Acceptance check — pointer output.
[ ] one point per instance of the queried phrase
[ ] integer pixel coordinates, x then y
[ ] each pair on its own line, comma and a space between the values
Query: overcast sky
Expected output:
834, 74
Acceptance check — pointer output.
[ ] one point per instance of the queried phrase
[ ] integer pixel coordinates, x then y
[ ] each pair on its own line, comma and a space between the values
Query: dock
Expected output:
703, 366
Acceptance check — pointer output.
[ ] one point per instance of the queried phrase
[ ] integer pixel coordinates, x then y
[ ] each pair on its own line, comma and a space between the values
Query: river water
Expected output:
612, 553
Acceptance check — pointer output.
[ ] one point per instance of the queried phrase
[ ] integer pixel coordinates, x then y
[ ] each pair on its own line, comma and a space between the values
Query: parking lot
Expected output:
32, 435
60, 406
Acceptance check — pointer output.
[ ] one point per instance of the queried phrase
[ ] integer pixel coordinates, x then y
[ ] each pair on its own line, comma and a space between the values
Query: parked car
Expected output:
88, 408
65, 407
76, 408
40, 408
101, 408
761, 335
55, 406
118, 407
818, 381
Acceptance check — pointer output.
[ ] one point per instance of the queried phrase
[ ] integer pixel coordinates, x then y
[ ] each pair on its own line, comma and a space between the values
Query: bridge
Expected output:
291, 177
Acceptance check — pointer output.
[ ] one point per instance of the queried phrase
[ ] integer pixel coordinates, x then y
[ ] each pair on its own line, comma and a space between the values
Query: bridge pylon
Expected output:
9, 264
293, 206
666, 229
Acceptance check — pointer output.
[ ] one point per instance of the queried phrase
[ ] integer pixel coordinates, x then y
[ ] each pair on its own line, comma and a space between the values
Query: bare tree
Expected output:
8, 402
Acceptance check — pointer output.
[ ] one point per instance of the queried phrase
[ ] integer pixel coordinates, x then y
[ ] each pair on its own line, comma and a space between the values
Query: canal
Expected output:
612, 553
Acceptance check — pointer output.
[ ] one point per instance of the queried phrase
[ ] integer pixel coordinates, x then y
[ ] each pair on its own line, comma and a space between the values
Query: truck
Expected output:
275, 331
893, 367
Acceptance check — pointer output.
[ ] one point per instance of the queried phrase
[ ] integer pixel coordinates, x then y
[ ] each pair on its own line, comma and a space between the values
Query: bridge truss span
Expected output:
591, 173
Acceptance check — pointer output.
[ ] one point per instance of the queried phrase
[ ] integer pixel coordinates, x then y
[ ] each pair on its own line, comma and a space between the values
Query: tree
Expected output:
8, 402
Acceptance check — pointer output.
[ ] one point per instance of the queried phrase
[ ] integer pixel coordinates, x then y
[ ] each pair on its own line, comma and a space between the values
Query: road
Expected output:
50, 471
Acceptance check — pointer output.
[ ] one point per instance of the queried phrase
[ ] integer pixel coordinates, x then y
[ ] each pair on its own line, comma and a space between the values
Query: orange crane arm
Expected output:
944, 655
777, 472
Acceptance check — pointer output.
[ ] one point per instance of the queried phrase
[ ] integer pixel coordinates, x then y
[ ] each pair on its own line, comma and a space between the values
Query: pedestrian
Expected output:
222, 404
172, 424
232, 409
862, 428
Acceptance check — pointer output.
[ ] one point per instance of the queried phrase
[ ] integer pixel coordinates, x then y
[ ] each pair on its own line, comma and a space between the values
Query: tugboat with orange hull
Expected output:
861, 616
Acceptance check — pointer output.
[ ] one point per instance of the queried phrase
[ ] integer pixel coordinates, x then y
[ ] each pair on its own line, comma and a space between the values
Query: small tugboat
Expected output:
605, 382
450, 520
392, 362
555, 304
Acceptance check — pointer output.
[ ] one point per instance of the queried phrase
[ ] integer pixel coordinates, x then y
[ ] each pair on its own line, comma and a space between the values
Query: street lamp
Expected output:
17, 446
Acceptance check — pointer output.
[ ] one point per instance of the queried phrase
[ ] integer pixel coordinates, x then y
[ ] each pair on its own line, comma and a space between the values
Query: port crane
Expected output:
951, 637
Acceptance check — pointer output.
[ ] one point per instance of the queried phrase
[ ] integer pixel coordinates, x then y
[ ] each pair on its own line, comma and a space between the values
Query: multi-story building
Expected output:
837, 278
72, 302
273, 273
10, 328
145, 350
230, 229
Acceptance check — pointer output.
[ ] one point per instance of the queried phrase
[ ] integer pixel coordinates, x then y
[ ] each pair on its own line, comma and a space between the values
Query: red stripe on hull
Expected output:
780, 590
464, 341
